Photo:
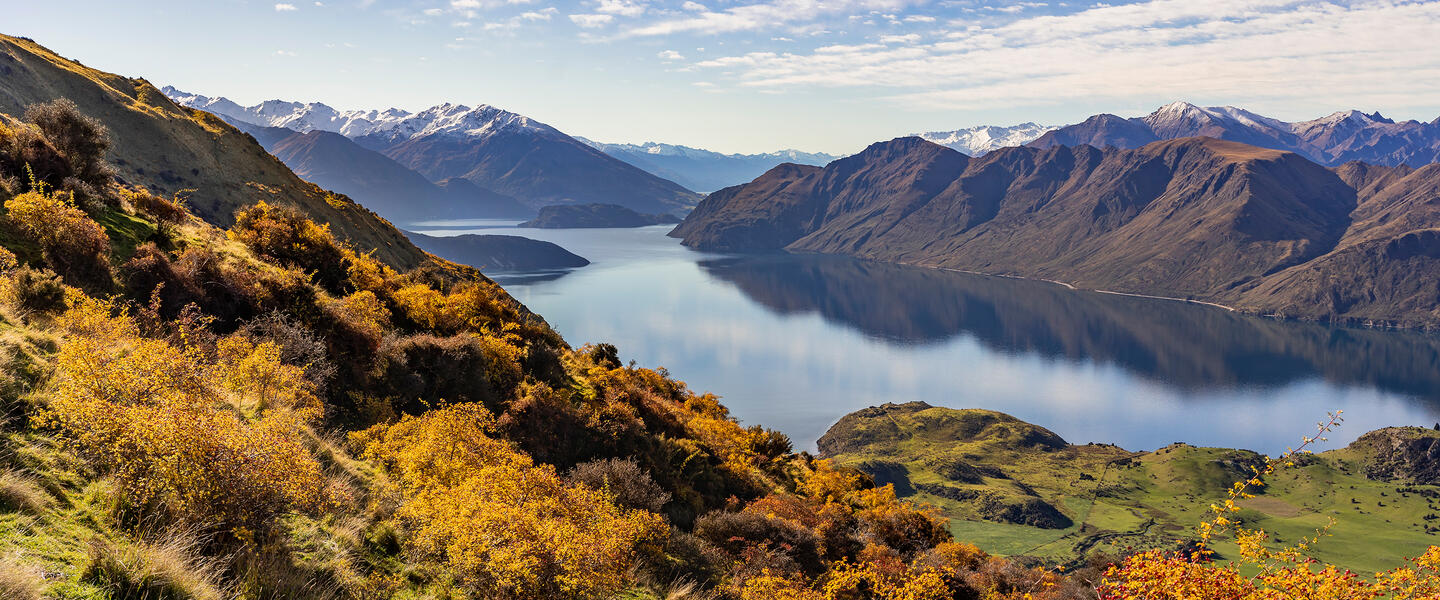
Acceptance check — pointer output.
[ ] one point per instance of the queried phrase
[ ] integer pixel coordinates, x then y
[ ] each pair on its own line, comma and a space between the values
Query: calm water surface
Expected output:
796, 342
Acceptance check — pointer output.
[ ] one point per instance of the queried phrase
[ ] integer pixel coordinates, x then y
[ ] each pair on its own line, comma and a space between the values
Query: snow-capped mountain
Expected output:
392, 123
497, 150
976, 141
705, 170
1330, 140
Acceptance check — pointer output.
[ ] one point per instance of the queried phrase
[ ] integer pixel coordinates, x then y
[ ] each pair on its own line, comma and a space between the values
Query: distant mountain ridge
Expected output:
976, 141
168, 148
1331, 140
704, 170
504, 152
1259, 229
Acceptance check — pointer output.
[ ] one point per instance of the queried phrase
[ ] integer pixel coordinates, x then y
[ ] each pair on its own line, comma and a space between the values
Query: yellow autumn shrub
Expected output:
502, 525
73, 243
159, 418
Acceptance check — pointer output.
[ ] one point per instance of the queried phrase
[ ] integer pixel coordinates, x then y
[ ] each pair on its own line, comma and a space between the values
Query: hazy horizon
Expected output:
763, 75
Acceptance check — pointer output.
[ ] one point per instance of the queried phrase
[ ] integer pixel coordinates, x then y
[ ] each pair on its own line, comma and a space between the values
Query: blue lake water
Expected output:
796, 342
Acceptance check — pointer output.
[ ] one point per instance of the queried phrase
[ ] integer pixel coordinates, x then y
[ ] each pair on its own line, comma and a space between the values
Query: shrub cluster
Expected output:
163, 419
506, 527
73, 243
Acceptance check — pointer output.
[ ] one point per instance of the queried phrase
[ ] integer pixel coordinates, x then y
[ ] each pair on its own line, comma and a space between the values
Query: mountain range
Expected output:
502, 152
704, 170
168, 148
976, 141
1257, 229
1332, 140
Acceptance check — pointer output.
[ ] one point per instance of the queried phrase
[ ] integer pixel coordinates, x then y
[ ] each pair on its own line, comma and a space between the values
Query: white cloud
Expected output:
590, 21
670, 55
762, 15
285, 7
285, 53
1265, 54
624, 8
432, 12
692, 6
908, 38
919, 19
543, 14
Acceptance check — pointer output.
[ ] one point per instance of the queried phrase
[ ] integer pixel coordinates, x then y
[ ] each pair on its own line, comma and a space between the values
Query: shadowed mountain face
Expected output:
539, 167
1178, 343
1262, 230
169, 148
383, 185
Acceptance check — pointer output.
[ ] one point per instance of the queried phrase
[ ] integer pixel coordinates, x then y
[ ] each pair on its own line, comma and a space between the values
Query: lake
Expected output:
796, 342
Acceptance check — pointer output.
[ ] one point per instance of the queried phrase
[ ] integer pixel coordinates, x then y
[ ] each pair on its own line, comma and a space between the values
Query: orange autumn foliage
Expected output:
503, 525
163, 419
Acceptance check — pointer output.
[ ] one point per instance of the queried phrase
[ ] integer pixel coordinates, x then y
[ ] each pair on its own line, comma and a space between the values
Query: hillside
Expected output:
169, 148
498, 150
1192, 218
1017, 488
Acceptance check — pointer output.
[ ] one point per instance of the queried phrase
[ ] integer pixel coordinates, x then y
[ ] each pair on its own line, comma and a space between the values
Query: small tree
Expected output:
81, 139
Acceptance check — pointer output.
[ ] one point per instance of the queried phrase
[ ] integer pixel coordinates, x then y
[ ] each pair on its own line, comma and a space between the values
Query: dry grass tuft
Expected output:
19, 492
169, 569
20, 582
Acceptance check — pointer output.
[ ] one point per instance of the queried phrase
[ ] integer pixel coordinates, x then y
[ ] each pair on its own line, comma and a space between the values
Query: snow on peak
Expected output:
976, 141
447, 118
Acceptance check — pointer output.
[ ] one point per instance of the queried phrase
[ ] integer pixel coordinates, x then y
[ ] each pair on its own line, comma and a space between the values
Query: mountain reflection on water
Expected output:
1179, 343
796, 342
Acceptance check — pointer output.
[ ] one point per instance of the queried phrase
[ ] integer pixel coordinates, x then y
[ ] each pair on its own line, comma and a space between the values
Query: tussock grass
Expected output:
20, 492
171, 568
19, 581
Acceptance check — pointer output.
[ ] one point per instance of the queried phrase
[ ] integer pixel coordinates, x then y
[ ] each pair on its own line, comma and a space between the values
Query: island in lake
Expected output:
499, 252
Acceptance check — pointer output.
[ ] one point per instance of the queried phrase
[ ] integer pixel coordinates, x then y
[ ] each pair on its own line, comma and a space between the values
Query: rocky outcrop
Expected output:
1401, 454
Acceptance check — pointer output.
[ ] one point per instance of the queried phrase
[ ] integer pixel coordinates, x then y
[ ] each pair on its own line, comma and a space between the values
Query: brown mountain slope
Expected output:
168, 148
1194, 217
383, 185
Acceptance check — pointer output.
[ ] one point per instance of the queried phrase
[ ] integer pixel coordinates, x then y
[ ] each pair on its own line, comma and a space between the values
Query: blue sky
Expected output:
760, 75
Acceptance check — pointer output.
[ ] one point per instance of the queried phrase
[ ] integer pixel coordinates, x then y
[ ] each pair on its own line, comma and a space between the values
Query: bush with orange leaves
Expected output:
1287, 573
73, 243
165, 421
501, 525
285, 235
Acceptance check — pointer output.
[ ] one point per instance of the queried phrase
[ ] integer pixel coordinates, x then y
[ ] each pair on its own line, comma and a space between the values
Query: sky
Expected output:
762, 75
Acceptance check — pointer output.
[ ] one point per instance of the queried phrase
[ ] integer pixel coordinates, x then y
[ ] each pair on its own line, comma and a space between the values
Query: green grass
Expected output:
1127, 501
125, 232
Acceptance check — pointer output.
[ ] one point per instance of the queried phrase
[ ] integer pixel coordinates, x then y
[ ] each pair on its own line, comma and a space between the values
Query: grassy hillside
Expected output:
168, 148
1014, 488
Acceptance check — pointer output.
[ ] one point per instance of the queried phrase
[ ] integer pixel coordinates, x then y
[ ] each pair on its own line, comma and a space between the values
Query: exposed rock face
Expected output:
1258, 229
581, 216
1401, 454
499, 252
